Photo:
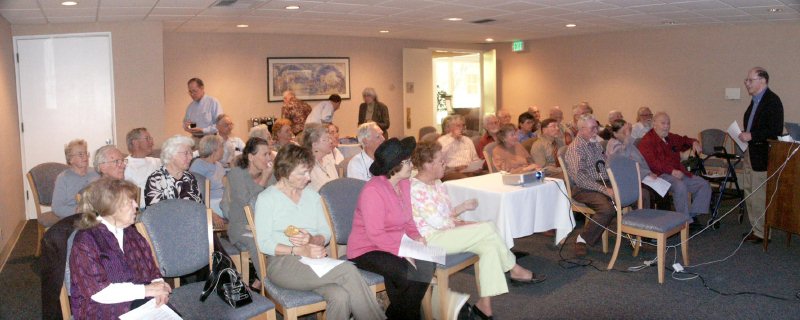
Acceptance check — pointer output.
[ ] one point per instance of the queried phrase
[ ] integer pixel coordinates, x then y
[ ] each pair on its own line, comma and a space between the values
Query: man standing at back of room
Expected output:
202, 112
295, 110
763, 120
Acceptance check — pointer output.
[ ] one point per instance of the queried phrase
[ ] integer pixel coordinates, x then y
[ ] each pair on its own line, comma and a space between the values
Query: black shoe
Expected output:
533, 280
478, 313
465, 313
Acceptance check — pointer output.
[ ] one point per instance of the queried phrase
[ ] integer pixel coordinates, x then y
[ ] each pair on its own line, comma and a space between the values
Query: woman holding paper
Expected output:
621, 145
292, 229
382, 218
437, 220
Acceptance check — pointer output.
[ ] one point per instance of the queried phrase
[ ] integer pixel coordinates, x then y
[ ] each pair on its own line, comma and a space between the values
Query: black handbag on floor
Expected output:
226, 282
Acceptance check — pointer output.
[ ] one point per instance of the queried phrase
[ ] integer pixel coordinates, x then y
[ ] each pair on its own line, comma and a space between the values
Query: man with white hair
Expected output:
370, 136
503, 117
661, 149
110, 162
232, 146
140, 165
606, 132
644, 122
295, 110
491, 125
577, 111
458, 151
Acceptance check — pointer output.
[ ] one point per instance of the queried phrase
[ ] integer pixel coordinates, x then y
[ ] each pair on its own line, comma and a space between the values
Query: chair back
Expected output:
42, 179
710, 139
260, 259
430, 137
66, 308
340, 198
563, 164
425, 130
179, 232
626, 181
205, 187
488, 154
476, 140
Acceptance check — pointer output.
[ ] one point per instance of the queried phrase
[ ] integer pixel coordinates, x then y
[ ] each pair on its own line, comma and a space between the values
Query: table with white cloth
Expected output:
517, 211
349, 150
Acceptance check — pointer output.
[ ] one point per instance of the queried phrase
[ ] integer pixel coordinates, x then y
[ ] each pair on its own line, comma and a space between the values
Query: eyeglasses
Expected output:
146, 138
117, 162
749, 80
79, 154
406, 162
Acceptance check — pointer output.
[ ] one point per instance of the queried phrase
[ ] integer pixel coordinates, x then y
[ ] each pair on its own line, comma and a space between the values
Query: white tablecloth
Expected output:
517, 211
349, 150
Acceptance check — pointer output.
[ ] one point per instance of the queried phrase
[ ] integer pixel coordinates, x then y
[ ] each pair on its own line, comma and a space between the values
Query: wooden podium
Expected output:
784, 212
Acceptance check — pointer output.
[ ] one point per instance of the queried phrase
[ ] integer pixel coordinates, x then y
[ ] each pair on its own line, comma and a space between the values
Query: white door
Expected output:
419, 102
65, 91
489, 76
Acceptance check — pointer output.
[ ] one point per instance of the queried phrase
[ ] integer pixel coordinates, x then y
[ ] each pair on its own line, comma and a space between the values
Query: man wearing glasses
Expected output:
763, 120
202, 112
644, 122
110, 162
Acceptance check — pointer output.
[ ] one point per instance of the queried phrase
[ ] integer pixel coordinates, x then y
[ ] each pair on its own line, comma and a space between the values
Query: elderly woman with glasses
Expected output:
110, 162
437, 220
111, 265
71, 181
373, 110
173, 180
381, 220
208, 164
317, 139
509, 155
291, 227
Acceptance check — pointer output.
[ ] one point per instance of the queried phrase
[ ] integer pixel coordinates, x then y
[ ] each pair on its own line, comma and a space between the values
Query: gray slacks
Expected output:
701, 194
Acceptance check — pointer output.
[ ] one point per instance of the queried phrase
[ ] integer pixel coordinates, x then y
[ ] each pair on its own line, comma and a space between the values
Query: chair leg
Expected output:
605, 241
660, 255
443, 282
41, 231
321, 315
427, 306
478, 280
290, 314
685, 244
616, 251
637, 245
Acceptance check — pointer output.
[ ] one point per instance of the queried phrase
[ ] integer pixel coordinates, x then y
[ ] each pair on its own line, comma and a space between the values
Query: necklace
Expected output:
321, 168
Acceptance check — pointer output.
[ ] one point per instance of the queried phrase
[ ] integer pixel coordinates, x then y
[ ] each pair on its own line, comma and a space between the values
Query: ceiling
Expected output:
409, 19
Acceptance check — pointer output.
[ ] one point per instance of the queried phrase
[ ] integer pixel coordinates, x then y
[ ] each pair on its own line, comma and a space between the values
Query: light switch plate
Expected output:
733, 93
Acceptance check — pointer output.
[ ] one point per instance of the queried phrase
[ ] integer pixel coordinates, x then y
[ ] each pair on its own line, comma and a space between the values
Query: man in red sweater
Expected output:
661, 149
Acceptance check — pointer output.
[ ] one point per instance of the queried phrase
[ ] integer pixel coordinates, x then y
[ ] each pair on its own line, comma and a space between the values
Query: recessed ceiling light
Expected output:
242, 25
441, 51
69, 3
454, 19
292, 7
775, 10
669, 23
384, 31
571, 25
489, 40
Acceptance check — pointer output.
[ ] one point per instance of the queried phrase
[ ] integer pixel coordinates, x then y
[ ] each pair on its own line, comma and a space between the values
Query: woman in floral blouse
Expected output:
437, 221
173, 180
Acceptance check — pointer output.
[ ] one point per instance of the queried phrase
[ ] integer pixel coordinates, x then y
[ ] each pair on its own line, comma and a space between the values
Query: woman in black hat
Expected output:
382, 218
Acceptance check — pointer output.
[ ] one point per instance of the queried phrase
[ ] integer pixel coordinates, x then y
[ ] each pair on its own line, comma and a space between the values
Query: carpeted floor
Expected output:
579, 292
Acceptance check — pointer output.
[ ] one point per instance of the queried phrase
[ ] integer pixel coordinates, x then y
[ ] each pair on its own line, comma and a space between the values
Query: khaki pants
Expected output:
756, 203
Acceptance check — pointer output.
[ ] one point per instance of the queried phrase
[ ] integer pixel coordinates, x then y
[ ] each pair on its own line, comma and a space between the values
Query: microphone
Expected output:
597, 166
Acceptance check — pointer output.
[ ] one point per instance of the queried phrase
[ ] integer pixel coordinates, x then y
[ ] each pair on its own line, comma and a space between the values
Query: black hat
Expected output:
390, 153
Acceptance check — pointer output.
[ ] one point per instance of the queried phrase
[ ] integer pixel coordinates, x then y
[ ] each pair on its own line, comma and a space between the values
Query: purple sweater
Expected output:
96, 261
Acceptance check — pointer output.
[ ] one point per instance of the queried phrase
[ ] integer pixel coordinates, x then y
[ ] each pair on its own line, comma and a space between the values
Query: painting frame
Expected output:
311, 78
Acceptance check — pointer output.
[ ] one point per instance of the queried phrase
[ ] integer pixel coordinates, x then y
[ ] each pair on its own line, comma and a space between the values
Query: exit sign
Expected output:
518, 46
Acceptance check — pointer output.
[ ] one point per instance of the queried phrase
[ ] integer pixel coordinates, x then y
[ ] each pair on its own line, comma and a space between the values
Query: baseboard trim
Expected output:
9, 247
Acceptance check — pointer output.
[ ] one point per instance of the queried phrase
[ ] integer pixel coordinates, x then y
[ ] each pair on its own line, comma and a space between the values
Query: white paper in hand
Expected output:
734, 132
149, 311
659, 185
474, 166
417, 250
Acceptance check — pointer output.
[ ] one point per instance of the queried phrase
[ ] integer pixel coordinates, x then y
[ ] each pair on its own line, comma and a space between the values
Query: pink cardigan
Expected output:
381, 218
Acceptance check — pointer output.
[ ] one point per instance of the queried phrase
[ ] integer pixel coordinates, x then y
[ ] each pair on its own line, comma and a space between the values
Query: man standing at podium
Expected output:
763, 120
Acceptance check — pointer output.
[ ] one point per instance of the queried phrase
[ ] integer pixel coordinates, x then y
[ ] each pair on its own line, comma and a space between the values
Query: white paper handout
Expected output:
734, 131
149, 311
321, 266
659, 185
417, 250
474, 166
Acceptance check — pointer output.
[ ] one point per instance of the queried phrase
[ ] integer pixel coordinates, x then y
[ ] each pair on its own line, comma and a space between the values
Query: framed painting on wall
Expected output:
309, 78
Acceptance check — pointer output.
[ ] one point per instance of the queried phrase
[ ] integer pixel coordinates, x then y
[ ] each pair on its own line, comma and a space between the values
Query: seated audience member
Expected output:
577, 111
251, 173
457, 149
503, 117
605, 133
382, 218
621, 145
282, 132
293, 203
260, 131
537, 115
208, 165
581, 157
71, 181
662, 151
370, 136
509, 155
644, 122
544, 150
173, 180
317, 140
111, 265
323, 111
437, 220
232, 146
140, 164
491, 126
527, 127
110, 162
337, 155
566, 135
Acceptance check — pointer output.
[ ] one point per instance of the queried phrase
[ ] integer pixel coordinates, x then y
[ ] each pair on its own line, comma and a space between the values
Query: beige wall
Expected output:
683, 71
233, 67
138, 71
12, 215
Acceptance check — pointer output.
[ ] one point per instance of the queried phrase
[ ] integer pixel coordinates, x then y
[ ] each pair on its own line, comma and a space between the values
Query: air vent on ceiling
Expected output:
225, 3
483, 21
